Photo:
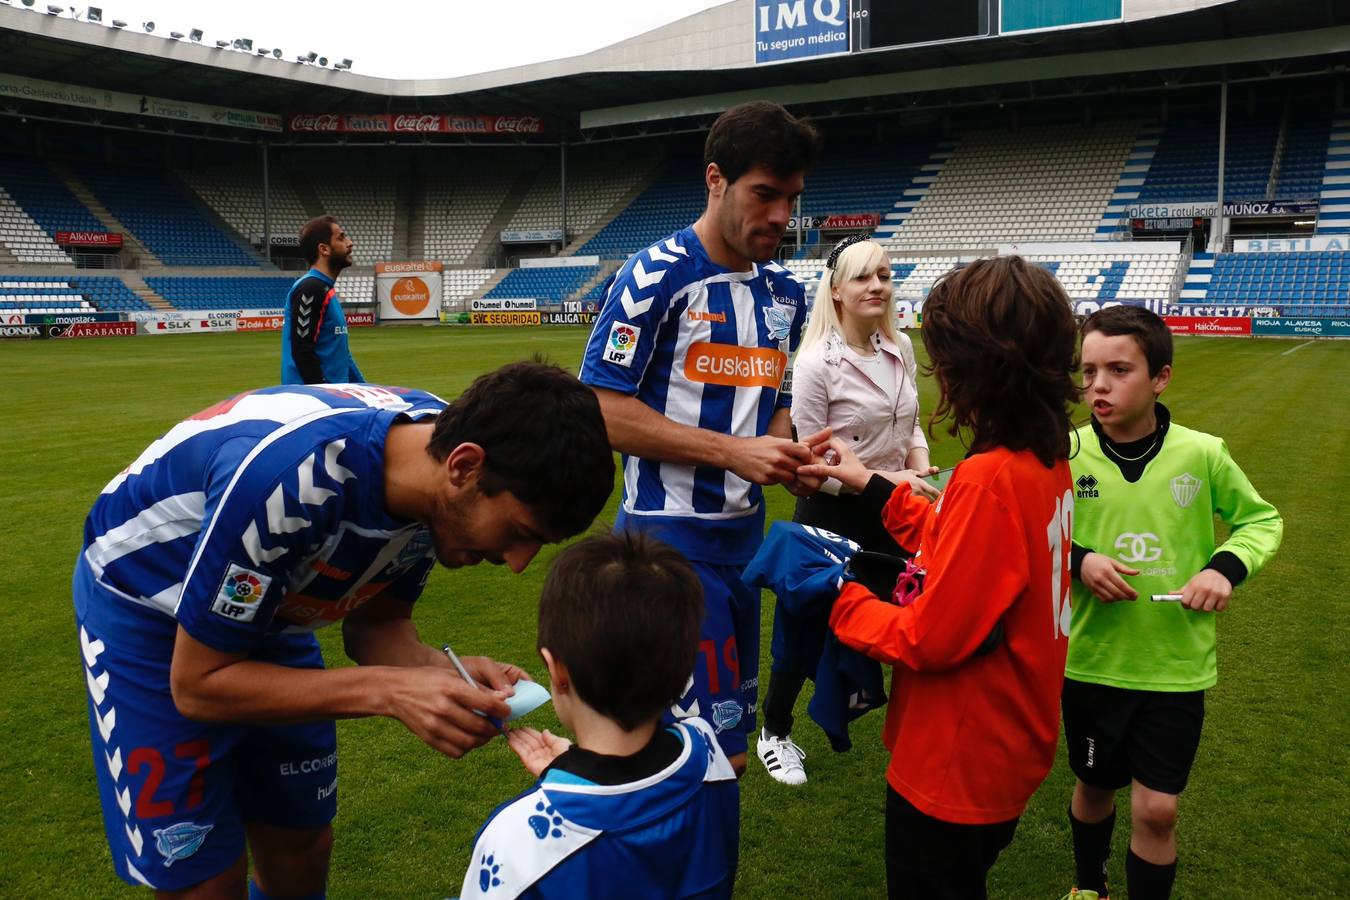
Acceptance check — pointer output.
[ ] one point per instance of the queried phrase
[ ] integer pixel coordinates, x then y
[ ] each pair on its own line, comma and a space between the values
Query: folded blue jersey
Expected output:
805, 567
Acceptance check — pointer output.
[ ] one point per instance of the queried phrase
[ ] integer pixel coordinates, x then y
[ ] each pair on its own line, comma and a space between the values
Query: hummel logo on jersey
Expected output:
1087, 487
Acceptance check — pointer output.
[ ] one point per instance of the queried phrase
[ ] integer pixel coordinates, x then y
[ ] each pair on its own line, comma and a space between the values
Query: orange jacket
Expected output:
971, 738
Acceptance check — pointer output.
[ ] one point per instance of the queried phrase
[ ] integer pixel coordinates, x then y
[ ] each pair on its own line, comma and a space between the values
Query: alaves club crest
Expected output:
1185, 487
179, 841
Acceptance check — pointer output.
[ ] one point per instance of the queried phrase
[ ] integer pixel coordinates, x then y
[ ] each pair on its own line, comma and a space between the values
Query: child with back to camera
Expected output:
634, 808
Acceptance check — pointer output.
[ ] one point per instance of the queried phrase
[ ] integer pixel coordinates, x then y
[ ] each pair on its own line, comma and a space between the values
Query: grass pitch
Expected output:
1265, 815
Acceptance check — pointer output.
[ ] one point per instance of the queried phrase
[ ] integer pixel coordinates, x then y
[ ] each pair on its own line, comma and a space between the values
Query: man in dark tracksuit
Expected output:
314, 333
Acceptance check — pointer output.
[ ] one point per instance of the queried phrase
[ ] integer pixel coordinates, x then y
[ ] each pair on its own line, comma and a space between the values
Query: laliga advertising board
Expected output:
408, 291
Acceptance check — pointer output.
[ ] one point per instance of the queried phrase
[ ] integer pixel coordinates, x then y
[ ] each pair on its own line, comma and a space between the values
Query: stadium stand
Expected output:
1308, 283
551, 284
1185, 166
674, 199
364, 206
1334, 216
865, 180
235, 193
34, 206
1304, 157
32, 294
460, 202
1064, 180
461, 284
206, 293
110, 294
158, 210
594, 186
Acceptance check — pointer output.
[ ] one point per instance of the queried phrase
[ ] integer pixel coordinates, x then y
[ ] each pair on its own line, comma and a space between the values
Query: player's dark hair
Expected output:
760, 133
316, 231
1148, 330
543, 439
622, 612
1002, 342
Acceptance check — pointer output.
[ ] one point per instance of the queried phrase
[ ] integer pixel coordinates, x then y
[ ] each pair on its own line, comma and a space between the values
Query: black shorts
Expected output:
1116, 735
929, 859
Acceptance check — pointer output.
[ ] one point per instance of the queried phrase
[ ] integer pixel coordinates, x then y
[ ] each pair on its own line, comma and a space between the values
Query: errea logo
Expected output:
1087, 487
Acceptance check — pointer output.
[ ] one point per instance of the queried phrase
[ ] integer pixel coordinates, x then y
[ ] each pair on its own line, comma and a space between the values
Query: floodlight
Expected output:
345, 64
94, 14
221, 45
323, 60
55, 10
245, 44
195, 35
29, 2
149, 27
118, 23
176, 35
276, 52
263, 51
311, 56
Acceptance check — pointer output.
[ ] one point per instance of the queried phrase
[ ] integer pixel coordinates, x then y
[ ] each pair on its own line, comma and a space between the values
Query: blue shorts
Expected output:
176, 793
725, 685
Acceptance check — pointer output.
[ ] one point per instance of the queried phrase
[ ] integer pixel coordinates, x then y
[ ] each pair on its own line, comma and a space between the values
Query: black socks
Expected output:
1091, 850
1147, 881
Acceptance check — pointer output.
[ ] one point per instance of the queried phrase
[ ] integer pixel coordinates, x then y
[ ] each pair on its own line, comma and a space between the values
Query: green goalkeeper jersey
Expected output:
1162, 525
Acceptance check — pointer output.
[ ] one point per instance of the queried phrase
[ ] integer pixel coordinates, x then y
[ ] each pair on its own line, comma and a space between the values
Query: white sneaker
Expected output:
782, 758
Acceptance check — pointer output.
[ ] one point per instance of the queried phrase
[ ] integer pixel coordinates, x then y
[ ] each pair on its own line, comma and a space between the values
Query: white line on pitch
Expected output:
1299, 347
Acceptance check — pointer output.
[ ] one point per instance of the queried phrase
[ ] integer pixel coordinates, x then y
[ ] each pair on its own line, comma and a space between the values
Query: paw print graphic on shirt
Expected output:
487, 875
548, 823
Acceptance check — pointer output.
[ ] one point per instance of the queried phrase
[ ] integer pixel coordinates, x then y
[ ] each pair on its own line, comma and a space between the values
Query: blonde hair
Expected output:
861, 258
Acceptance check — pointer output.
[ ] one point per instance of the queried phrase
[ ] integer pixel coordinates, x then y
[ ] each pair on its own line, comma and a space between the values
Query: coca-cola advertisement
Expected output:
419, 123
326, 122
414, 123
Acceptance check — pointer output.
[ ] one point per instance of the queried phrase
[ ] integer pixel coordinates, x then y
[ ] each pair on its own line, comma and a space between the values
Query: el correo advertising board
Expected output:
20, 88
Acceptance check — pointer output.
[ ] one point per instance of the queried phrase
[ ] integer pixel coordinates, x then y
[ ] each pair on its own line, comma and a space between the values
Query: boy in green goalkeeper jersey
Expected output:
1146, 492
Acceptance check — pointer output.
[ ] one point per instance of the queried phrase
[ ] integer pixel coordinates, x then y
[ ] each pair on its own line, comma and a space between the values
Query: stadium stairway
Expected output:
142, 290
607, 268
1334, 216
6, 257
624, 202
1196, 286
144, 258
305, 191
209, 213
484, 252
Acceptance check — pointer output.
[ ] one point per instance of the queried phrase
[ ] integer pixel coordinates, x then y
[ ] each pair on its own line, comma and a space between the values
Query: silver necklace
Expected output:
1113, 452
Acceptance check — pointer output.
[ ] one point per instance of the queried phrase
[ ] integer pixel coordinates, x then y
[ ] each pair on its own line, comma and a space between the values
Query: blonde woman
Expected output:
855, 373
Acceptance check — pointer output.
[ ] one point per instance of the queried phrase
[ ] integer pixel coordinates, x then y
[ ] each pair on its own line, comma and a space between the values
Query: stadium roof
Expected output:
617, 88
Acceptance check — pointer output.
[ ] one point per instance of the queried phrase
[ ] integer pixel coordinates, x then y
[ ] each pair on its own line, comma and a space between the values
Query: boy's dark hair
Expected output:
543, 437
622, 612
760, 133
1147, 329
1002, 342
316, 231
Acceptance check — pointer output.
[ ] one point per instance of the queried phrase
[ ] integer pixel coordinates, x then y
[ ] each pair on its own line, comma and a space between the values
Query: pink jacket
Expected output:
830, 387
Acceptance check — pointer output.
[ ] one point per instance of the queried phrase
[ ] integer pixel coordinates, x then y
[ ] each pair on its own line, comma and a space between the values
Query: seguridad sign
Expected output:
505, 318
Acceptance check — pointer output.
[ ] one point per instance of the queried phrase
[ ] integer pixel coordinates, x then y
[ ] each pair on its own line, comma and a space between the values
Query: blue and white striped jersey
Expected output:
705, 347
262, 514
